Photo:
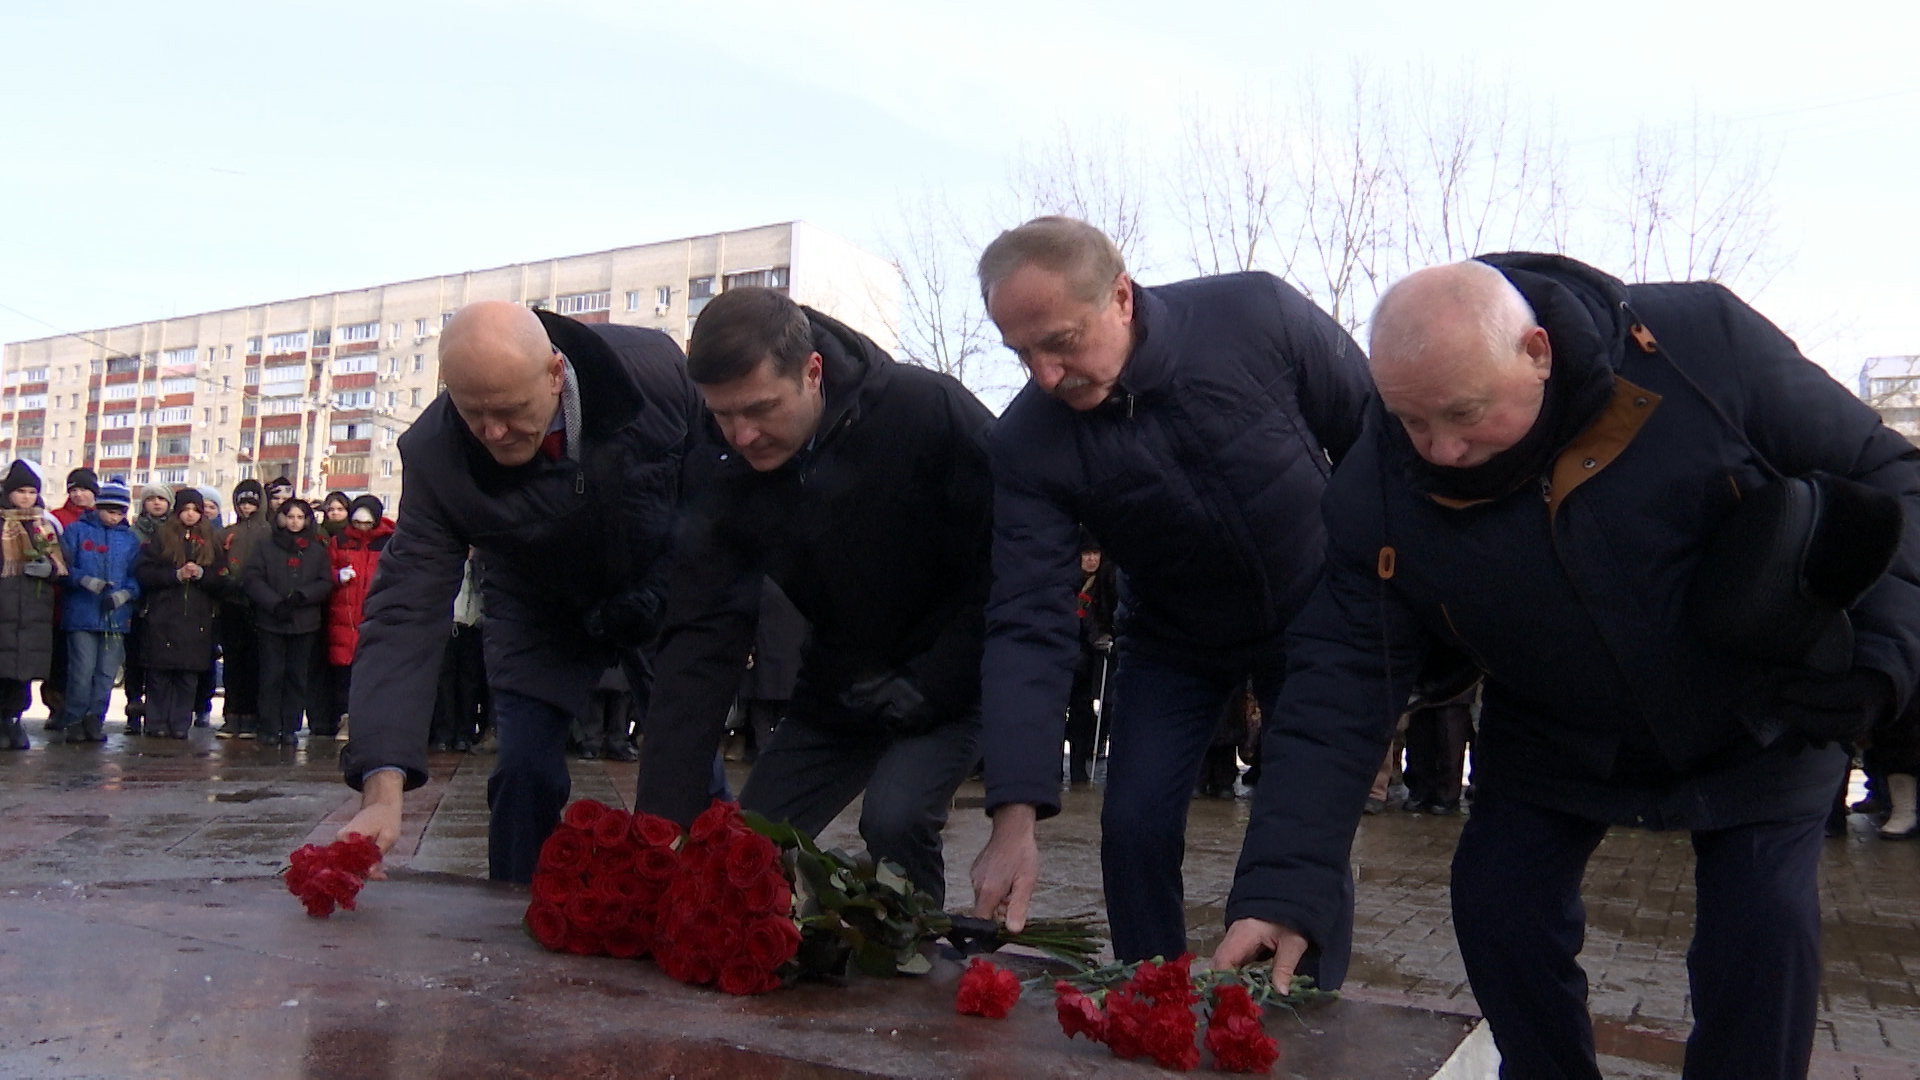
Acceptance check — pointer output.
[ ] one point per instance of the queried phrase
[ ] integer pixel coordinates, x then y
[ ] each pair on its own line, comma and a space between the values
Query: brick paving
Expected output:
152, 809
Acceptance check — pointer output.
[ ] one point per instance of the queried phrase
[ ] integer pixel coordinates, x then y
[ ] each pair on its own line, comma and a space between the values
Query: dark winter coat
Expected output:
27, 617
879, 535
93, 550
176, 631
1200, 476
359, 550
777, 642
554, 541
288, 578
1573, 603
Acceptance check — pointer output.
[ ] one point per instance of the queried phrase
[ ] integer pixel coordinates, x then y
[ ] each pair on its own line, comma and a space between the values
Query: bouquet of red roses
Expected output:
729, 912
600, 880
323, 877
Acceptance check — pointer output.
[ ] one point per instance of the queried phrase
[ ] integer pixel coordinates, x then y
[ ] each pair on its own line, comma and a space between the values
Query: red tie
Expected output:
554, 445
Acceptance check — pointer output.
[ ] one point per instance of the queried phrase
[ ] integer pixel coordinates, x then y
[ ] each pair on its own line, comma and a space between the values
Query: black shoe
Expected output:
1374, 806
201, 719
133, 725
439, 746
177, 734
462, 746
588, 753
623, 752
1836, 825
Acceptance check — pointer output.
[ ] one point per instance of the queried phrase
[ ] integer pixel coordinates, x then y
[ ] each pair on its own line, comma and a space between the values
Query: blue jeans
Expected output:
93, 659
530, 783
1753, 967
1161, 721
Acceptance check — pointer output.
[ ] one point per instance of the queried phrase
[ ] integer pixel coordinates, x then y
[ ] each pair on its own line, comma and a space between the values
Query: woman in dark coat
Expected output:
288, 579
178, 572
34, 563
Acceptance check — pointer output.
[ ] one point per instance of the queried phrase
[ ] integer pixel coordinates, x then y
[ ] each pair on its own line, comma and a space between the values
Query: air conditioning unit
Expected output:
660, 309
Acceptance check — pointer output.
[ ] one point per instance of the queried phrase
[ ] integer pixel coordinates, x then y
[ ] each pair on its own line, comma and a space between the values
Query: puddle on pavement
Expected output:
246, 795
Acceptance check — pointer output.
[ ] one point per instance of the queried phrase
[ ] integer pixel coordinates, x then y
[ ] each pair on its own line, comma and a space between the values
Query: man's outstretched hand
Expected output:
379, 816
1249, 940
1006, 869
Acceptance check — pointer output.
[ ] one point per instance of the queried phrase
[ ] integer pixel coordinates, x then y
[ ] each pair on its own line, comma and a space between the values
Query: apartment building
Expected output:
1891, 384
318, 388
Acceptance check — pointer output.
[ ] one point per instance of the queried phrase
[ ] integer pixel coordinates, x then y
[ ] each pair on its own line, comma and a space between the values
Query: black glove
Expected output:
628, 619
283, 609
895, 701
1833, 708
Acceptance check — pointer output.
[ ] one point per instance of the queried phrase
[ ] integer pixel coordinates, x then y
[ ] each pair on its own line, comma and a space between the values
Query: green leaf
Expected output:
917, 964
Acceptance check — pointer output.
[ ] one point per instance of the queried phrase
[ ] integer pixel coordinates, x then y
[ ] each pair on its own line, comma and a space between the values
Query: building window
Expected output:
222, 445
285, 436
773, 277
206, 447
146, 447
148, 387
633, 299
700, 288
286, 343
95, 367
206, 416
282, 406
246, 442
169, 476
360, 332
34, 401
253, 346
146, 417
181, 356
179, 414
419, 328
662, 299
347, 432
419, 362
286, 379
354, 465
581, 303
122, 392
174, 445
353, 399
223, 414
229, 355
446, 317
118, 420
122, 365
322, 336
355, 365
396, 331
182, 384
250, 407
246, 472
393, 399
226, 384
386, 468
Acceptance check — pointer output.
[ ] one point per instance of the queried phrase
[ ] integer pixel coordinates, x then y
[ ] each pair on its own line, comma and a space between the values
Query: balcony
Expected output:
286, 452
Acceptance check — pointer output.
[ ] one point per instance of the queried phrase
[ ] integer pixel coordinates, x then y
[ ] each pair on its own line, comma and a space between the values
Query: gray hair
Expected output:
1067, 246
1404, 318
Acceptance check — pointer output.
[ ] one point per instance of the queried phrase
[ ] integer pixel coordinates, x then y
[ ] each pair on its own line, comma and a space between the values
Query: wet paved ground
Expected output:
74, 821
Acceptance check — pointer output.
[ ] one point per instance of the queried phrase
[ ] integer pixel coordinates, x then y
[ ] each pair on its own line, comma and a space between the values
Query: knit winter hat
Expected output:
113, 493
189, 497
279, 482
156, 491
366, 508
83, 477
247, 491
20, 475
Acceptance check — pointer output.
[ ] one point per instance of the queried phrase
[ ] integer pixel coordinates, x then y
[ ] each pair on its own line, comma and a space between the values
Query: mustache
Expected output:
1071, 383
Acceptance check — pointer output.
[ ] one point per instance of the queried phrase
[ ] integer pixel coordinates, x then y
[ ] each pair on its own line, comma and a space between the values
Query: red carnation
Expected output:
611, 828
986, 990
567, 851
328, 877
655, 831
1168, 1037
1126, 1024
1165, 983
582, 813
356, 854
548, 924
1240, 1044
1078, 1013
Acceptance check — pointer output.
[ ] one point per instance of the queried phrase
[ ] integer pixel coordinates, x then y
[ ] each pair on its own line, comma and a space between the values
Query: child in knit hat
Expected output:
29, 582
97, 609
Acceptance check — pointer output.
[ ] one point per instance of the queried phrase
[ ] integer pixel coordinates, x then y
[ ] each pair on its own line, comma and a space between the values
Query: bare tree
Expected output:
1230, 182
1091, 176
943, 323
1694, 204
1340, 209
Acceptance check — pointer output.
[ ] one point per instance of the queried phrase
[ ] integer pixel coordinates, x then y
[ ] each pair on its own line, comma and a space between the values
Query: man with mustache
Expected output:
1190, 428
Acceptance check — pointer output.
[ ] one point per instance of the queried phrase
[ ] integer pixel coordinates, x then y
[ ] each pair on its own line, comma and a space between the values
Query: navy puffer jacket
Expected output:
1570, 595
1201, 477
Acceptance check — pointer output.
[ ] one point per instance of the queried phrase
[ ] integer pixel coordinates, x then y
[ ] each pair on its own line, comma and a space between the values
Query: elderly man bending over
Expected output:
555, 452
1587, 488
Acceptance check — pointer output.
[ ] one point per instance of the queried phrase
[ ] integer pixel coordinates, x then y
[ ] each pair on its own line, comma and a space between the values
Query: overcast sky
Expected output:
167, 159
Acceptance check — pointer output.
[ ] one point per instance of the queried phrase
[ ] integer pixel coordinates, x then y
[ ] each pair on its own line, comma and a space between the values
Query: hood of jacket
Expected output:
355, 539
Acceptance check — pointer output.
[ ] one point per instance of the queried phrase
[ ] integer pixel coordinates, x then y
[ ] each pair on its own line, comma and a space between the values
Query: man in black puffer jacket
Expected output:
556, 453
860, 486
1191, 428
1553, 465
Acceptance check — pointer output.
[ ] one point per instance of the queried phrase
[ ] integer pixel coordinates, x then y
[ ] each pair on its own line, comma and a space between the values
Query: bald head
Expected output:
1458, 357
503, 376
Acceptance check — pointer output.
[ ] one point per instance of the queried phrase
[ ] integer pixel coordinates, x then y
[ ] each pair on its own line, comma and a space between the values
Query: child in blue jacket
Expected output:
102, 551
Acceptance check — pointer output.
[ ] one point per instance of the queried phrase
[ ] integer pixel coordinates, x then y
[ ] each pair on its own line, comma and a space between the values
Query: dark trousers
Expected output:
240, 648
529, 785
284, 659
170, 700
1753, 967
1162, 719
133, 681
93, 659
324, 706
809, 771
763, 719
462, 708
13, 698
1082, 723
1437, 754
53, 689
